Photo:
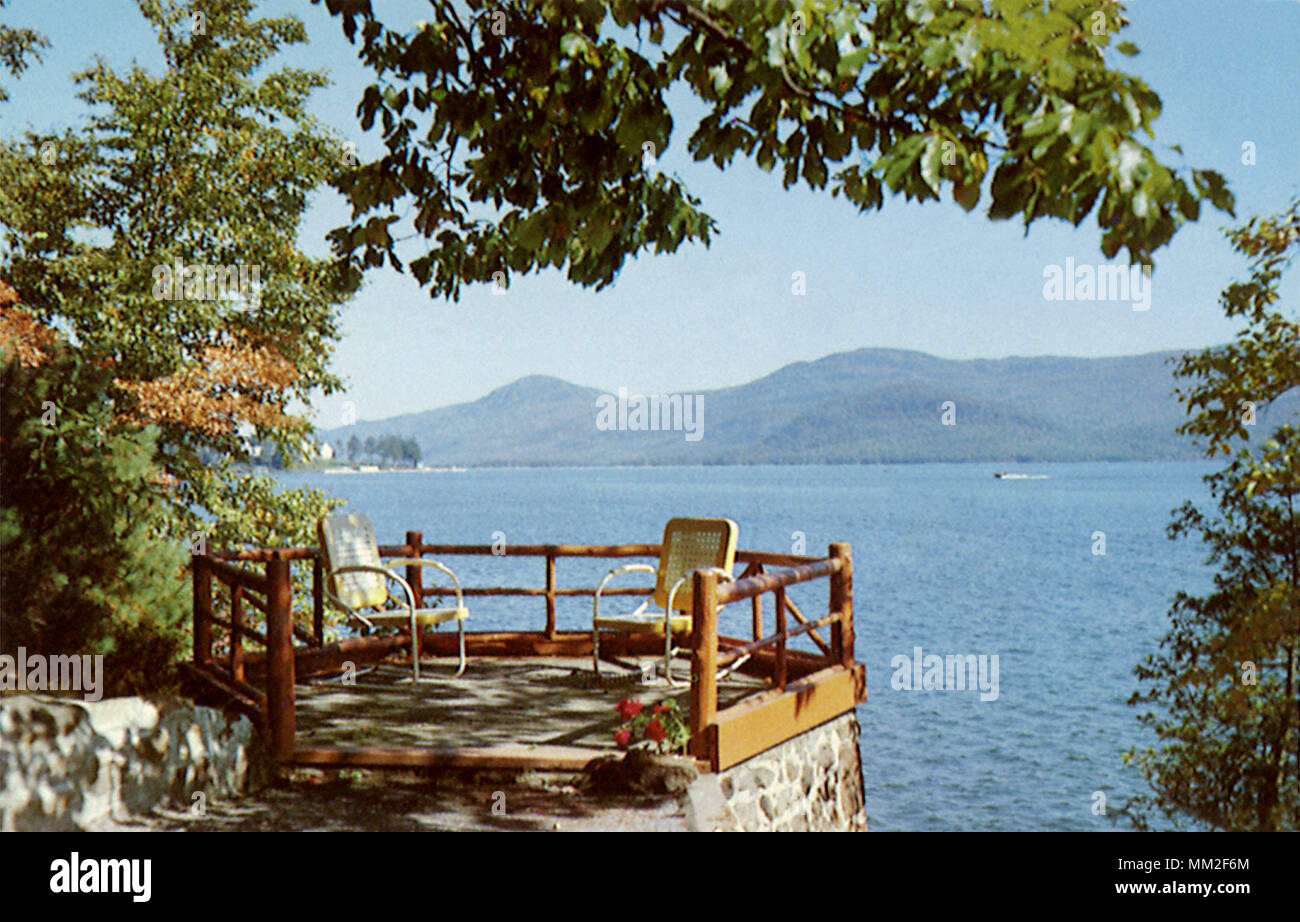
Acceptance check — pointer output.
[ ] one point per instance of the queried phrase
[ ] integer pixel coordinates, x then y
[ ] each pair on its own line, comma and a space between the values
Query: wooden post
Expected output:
318, 599
550, 596
756, 604
237, 632
704, 661
279, 658
414, 574
842, 635
202, 578
415, 578
780, 676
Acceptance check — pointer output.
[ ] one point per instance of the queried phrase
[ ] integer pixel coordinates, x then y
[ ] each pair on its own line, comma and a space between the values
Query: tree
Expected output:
1222, 692
526, 134
162, 236
84, 557
353, 447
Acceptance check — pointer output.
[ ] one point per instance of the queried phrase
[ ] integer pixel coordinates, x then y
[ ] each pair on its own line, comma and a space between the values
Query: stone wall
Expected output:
812, 782
68, 764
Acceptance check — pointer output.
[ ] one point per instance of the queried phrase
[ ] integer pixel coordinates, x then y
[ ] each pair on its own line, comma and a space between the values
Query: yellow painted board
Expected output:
773, 717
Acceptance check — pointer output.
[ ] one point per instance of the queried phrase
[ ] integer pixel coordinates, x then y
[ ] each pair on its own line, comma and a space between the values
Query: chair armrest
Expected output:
628, 568
423, 562
672, 593
351, 612
384, 571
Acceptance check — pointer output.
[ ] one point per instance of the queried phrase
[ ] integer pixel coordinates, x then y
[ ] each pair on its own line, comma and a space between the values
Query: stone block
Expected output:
745, 809
766, 775
825, 755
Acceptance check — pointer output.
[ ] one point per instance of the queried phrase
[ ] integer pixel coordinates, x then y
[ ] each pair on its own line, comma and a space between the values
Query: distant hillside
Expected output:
871, 405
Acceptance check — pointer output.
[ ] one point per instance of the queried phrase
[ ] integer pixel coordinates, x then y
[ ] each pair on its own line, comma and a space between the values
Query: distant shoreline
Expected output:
378, 470
1020, 466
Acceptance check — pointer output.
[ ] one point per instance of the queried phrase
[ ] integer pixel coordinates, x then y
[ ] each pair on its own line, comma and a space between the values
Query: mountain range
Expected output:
864, 406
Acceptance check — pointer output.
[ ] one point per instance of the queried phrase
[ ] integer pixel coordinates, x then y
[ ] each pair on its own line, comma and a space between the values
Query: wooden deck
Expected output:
517, 713
529, 698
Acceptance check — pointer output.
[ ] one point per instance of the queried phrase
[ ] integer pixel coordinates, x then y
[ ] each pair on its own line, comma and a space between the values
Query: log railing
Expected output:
715, 736
723, 738
415, 547
271, 592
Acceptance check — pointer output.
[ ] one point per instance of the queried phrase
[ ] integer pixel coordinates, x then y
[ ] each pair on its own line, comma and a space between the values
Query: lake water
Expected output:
946, 558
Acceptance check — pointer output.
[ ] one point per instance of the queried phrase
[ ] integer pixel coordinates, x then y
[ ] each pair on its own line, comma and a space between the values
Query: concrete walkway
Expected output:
381, 802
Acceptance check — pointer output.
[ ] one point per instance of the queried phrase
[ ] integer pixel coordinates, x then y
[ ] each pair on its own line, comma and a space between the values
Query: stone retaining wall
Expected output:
68, 764
812, 782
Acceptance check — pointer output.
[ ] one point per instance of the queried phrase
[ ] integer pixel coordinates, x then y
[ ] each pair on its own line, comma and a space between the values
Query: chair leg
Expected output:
461, 624
415, 652
722, 674
595, 650
668, 659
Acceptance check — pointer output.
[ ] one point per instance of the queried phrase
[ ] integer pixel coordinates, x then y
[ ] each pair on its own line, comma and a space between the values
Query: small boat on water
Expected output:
1003, 475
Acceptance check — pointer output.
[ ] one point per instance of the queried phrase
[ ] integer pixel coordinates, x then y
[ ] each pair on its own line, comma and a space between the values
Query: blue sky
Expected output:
925, 277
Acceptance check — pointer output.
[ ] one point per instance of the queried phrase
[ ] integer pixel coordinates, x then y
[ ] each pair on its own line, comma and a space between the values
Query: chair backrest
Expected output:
346, 541
688, 545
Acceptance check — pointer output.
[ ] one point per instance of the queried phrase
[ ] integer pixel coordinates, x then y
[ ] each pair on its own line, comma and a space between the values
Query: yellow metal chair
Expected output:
357, 580
688, 545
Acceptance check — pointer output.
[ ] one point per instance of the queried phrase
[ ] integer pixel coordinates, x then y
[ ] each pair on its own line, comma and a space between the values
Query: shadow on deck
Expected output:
526, 702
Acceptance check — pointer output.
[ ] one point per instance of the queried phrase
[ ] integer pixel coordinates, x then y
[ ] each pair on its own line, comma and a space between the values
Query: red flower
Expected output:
622, 738
660, 709
654, 731
629, 708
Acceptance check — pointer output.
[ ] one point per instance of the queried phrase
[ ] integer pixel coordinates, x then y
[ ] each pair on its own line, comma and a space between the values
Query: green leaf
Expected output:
531, 231
966, 194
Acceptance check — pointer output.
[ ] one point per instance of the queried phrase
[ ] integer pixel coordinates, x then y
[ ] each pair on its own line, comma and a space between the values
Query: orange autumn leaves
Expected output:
20, 334
230, 385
